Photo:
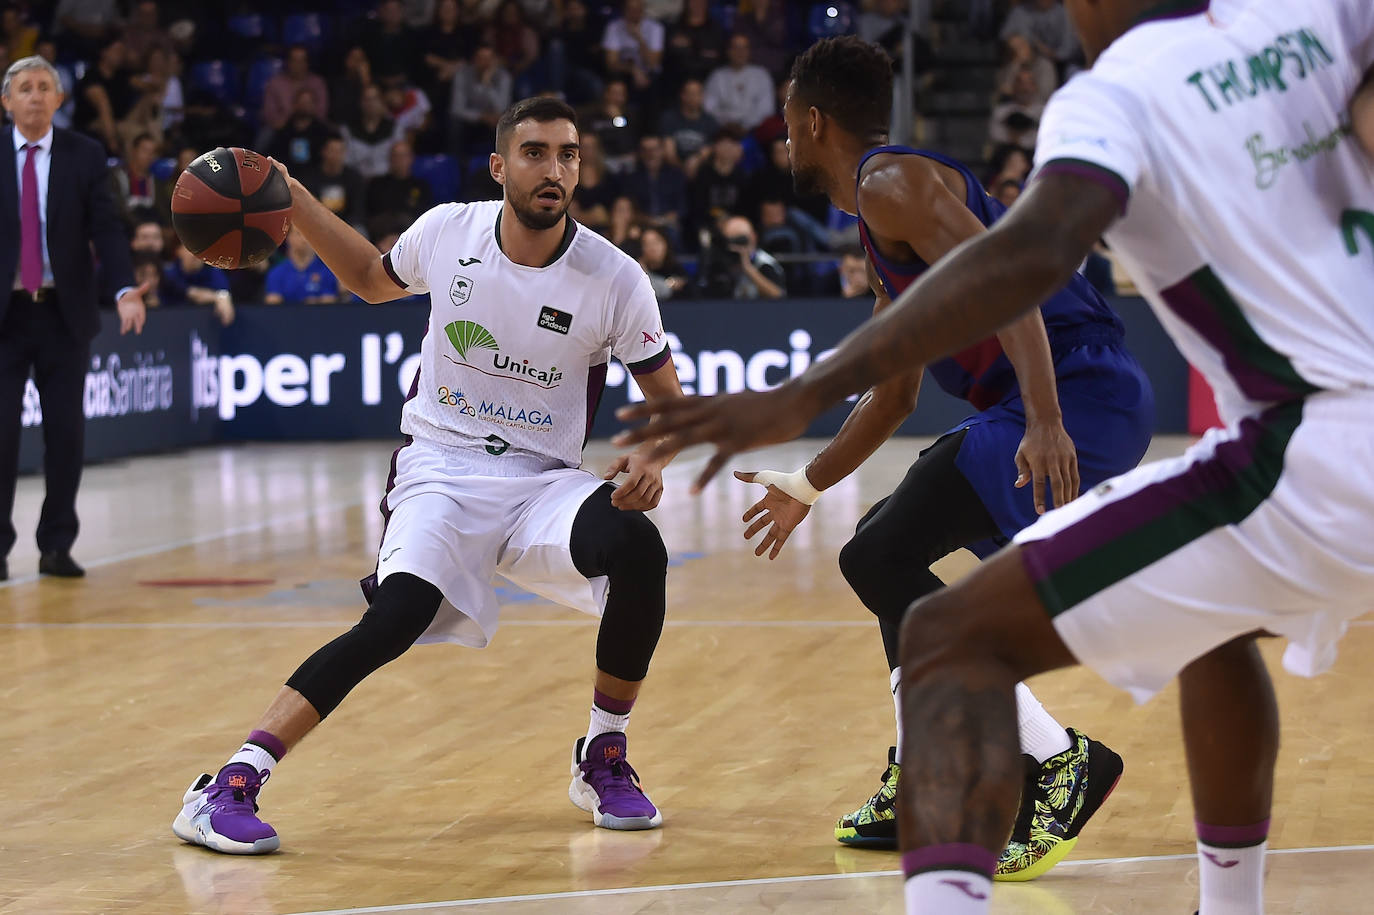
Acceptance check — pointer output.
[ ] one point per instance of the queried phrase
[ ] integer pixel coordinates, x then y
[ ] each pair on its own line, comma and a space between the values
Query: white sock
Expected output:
603, 722
954, 892
255, 756
896, 681
1231, 880
1041, 736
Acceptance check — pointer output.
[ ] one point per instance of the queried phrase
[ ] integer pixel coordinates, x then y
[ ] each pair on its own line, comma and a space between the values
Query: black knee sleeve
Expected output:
402, 609
627, 549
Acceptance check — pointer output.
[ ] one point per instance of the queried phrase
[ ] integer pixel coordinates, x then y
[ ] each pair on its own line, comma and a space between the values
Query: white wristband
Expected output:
795, 484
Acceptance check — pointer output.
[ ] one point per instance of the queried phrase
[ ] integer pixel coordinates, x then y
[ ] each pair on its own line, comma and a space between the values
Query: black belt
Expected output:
41, 294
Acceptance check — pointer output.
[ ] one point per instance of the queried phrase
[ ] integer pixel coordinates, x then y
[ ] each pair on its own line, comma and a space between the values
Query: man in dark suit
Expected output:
55, 207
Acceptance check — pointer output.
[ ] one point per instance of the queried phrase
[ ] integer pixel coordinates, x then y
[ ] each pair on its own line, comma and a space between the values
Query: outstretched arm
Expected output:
983, 285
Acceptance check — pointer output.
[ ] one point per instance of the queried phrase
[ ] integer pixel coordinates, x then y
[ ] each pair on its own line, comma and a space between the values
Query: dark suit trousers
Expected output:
34, 338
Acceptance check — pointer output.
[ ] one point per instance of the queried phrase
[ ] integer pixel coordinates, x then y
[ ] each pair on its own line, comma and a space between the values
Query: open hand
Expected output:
777, 509
642, 489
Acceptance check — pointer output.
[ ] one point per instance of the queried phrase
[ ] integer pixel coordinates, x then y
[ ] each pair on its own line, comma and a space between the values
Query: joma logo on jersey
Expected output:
473, 340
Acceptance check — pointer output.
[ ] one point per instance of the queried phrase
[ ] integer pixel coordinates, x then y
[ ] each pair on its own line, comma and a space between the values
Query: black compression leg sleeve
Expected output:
932, 513
402, 608
625, 547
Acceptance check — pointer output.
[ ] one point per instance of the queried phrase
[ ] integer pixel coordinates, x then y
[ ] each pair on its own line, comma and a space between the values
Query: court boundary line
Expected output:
763, 881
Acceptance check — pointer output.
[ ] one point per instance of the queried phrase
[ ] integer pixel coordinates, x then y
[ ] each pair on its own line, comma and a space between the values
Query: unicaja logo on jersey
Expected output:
471, 339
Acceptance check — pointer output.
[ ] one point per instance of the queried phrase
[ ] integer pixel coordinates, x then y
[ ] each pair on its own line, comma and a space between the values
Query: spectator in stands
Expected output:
279, 95
764, 23
418, 14
781, 238
656, 257
391, 45
658, 189
445, 45
84, 26
624, 228
759, 275
18, 34
515, 42
133, 181
398, 195
883, 23
663, 10
1016, 118
345, 98
143, 33
695, 46
1021, 54
46, 48
576, 59
149, 85
481, 91
1008, 161
687, 129
1006, 191
634, 48
853, 274
1046, 26
740, 94
369, 134
162, 205
148, 274
298, 142
409, 109
617, 126
188, 280
337, 184
163, 68
596, 191
148, 238
301, 278
104, 96
720, 186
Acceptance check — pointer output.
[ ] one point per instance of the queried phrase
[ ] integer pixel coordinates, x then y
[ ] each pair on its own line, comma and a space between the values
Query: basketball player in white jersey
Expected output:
1228, 162
526, 309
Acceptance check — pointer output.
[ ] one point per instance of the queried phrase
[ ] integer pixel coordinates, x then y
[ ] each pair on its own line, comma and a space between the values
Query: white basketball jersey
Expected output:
515, 356
1249, 206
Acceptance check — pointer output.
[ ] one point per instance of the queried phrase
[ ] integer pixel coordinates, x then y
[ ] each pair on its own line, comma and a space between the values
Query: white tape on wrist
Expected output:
795, 484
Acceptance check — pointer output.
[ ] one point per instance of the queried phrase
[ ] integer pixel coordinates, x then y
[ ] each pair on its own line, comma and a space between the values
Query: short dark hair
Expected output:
538, 108
848, 80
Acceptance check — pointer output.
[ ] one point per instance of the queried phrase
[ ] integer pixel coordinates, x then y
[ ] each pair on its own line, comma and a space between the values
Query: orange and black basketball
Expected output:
231, 208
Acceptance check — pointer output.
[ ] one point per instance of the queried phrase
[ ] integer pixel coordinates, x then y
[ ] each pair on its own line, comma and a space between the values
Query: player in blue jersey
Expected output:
1061, 405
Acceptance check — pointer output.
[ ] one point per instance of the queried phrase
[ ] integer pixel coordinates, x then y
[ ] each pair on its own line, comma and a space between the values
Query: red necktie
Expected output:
31, 247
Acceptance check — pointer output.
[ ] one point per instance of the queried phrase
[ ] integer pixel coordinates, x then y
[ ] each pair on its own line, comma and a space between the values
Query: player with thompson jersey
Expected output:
526, 309
1229, 160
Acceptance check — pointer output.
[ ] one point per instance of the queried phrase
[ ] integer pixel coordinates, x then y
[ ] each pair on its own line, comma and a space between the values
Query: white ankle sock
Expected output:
1041, 736
1231, 880
255, 756
953, 892
603, 722
896, 680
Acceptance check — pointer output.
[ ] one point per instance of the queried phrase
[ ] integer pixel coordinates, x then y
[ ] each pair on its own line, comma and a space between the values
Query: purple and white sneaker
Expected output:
605, 785
221, 813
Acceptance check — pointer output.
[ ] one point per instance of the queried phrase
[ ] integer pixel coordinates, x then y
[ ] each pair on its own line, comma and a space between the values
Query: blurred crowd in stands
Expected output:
385, 107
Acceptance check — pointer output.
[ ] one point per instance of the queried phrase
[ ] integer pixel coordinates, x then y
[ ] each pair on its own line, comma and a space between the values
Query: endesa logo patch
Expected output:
557, 321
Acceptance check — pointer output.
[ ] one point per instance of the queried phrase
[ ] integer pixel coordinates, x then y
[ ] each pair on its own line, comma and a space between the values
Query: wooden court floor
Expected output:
441, 783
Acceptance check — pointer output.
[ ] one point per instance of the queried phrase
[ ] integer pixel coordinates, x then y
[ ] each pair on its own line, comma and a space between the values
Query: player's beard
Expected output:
536, 217
808, 180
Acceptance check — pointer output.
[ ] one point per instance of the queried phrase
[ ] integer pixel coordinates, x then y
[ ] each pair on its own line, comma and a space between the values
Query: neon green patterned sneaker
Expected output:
1058, 800
874, 825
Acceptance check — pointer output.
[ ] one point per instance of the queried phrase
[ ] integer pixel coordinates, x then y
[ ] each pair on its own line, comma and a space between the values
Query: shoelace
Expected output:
614, 777
238, 796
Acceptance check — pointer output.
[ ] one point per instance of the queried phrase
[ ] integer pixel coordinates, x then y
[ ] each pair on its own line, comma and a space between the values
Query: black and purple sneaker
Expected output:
605, 785
221, 813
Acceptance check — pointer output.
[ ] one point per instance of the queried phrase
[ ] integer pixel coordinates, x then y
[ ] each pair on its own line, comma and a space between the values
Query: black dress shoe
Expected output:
60, 564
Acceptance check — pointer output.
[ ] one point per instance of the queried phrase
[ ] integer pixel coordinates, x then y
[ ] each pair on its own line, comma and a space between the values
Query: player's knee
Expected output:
869, 558
637, 547
933, 630
402, 609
